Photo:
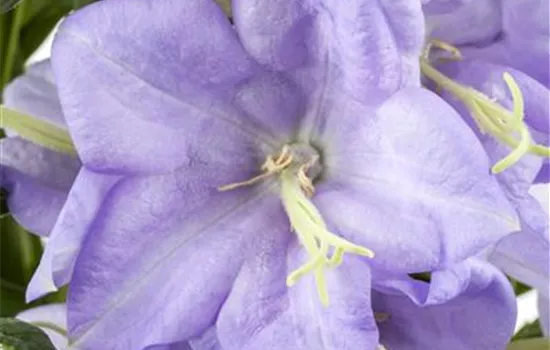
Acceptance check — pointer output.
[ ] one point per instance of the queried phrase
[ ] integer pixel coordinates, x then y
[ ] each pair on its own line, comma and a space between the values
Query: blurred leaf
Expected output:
530, 344
519, 288
19, 335
20, 253
75, 4
35, 7
12, 62
530, 330
38, 28
52, 298
12, 299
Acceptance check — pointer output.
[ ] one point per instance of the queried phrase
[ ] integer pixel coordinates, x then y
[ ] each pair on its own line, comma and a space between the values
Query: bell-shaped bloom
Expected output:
248, 176
468, 306
504, 96
37, 179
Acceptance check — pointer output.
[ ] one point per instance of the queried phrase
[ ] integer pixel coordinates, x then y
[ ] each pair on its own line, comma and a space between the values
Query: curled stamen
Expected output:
269, 167
311, 229
305, 220
456, 55
492, 118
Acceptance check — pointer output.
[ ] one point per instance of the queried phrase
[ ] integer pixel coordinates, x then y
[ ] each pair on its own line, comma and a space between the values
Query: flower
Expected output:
37, 179
492, 67
470, 305
169, 105
413, 314
508, 43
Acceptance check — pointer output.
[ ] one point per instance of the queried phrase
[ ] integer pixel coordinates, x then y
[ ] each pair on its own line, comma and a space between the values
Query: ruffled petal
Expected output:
261, 312
75, 219
35, 93
137, 83
207, 341
543, 177
469, 306
526, 25
178, 244
413, 159
37, 179
462, 22
524, 256
369, 50
55, 314
175, 346
433, 7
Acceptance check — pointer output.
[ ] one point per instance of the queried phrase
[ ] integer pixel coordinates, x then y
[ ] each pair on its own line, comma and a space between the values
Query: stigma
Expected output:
296, 165
506, 126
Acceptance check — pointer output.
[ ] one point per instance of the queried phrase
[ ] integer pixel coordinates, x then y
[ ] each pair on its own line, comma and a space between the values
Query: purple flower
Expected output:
37, 179
167, 104
511, 35
493, 66
468, 306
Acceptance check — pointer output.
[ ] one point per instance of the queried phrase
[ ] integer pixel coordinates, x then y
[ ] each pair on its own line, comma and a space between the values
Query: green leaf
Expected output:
530, 344
519, 288
530, 330
75, 4
18, 335
12, 298
38, 28
20, 253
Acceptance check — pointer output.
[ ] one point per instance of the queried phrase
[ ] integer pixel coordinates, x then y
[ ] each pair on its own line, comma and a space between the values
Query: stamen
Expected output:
305, 220
314, 236
270, 167
490, 117
456, 55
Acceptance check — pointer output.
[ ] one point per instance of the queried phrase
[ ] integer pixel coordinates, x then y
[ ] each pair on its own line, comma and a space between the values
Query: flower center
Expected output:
296, 165
506, 126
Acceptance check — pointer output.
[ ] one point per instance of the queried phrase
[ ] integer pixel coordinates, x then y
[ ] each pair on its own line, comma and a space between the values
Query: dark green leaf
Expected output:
12, 299
38, 28
75, 4
23, 336
20, 253
519, 288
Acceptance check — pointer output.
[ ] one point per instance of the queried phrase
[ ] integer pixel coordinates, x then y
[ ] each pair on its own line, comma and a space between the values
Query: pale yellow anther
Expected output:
492, 118
270, 167
305, 220
456, 55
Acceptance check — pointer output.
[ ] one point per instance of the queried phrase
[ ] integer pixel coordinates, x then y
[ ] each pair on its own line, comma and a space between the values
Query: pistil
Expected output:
292, 165
491, 118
